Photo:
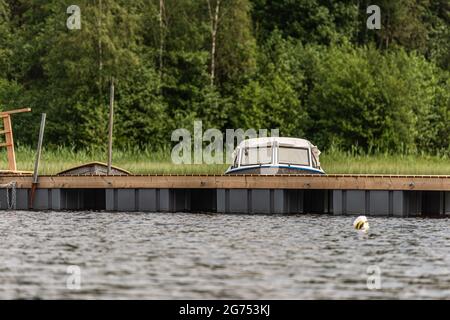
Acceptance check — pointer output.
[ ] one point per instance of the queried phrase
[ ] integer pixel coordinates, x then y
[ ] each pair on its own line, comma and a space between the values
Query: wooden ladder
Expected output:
9, 139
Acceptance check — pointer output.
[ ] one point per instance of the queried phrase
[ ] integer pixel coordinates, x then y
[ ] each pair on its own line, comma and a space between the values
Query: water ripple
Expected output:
212, 256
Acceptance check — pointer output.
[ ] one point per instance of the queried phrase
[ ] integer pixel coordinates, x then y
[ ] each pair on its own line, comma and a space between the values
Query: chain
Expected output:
10, 199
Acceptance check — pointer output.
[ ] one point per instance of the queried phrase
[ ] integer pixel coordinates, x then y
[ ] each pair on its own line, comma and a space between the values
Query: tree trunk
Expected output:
161, 37
214, 22
99, 44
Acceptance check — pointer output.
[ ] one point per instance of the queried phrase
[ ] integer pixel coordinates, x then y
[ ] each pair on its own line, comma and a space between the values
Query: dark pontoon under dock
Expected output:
331, 194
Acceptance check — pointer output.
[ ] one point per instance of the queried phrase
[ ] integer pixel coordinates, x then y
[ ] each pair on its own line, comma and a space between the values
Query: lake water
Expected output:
216, 256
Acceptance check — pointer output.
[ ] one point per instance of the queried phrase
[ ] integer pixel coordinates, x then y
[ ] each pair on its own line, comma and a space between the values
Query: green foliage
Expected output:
273, 96
311, 21
381, 101
5, 38
307, 67
141, 117
236, 52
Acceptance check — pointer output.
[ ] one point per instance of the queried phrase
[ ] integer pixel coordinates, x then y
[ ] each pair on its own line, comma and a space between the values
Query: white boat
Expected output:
275, 155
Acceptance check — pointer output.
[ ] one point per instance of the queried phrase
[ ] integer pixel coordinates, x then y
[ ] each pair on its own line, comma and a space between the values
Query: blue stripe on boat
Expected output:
279, 166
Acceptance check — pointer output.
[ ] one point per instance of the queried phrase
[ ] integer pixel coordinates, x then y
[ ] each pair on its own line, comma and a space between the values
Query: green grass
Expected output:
342, 162
135, 161
148, 162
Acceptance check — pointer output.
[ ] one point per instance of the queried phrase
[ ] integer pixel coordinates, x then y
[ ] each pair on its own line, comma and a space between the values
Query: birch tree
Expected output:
213, 11
162, 36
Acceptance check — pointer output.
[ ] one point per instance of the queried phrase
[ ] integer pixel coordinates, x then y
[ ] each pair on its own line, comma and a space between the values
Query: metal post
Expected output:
111, 119
38, 158
39, 148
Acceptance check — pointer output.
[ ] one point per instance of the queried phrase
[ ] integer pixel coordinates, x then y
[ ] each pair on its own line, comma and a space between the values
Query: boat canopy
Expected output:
276, 151
270, 141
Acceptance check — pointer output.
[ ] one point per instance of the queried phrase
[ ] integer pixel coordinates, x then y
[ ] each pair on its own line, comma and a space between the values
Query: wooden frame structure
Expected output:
9, 139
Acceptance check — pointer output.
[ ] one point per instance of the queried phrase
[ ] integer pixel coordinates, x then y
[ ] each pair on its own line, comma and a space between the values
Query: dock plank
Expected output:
322, 182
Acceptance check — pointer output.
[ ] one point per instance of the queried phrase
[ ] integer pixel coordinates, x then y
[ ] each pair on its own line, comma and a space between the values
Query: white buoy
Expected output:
361, 223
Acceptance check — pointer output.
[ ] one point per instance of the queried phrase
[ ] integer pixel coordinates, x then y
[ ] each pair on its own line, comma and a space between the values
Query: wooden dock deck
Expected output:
400, 195
324, 182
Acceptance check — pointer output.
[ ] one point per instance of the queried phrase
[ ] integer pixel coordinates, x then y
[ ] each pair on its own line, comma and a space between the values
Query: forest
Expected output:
310, 68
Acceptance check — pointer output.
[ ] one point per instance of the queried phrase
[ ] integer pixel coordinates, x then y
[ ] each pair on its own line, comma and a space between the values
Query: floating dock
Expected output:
384, 195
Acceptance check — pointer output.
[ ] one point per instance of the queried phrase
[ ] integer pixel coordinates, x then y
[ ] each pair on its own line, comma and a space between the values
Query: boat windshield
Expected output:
256, 155
296, 156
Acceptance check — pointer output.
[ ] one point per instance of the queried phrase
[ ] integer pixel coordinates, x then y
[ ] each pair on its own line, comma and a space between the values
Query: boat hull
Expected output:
274, 170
